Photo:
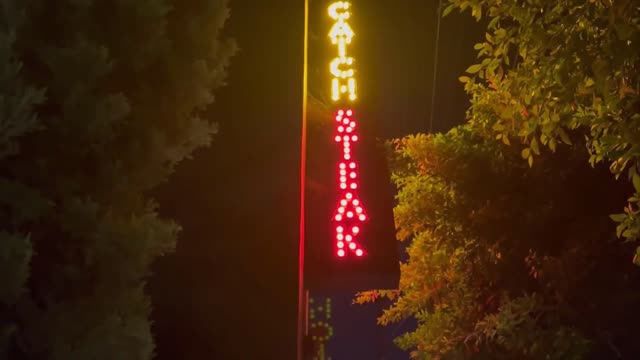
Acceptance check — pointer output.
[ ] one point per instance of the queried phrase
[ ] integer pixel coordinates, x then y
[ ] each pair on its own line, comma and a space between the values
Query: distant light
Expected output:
359, 252
341, 253
352, 245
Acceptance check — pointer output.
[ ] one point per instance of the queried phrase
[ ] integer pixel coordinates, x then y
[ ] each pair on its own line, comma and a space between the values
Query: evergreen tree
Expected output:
100, 100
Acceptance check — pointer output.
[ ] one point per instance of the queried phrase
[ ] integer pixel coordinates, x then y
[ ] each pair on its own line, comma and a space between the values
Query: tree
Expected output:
100, 101
507, 261
551, 72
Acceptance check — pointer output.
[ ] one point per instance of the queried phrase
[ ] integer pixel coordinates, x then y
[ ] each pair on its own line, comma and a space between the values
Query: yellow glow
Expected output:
343, 82
341, 30
335, 67
339, 10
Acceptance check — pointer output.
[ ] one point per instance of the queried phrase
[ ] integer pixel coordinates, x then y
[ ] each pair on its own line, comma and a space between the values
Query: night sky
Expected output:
230, 290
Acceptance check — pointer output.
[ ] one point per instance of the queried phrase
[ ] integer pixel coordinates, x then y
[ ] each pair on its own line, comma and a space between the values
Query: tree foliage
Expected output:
508, 261
554, 71
98, 101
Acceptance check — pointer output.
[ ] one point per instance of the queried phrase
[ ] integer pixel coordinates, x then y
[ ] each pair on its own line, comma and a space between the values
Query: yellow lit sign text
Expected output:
343, 82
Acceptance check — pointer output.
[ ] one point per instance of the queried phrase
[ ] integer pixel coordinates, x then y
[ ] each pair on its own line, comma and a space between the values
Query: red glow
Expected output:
349, 208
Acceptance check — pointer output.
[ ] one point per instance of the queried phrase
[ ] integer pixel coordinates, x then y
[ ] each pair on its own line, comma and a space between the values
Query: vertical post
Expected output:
303, 165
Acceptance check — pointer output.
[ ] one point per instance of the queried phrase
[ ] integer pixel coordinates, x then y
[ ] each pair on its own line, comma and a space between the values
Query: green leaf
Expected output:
636, 181
448, 10
525, 153
474, 68
534, 146
464, 79
618, 217
492, 24
563, 135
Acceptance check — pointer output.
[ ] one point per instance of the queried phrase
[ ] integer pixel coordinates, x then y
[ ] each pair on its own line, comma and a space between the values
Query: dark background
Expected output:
230, 290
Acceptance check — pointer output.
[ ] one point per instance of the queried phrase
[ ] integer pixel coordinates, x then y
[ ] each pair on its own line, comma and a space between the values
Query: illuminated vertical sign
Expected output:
349, 214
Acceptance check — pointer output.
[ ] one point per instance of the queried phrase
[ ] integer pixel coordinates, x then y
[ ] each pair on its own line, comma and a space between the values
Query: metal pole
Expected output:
303, 165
